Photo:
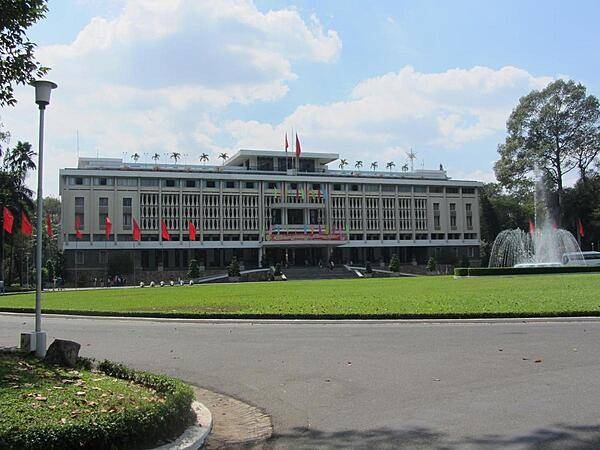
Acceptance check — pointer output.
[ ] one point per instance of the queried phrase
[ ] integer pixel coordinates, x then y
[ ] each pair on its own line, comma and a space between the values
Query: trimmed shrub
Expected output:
486, 271
132, 429
395, 264
431, 264
194, 269
233, 270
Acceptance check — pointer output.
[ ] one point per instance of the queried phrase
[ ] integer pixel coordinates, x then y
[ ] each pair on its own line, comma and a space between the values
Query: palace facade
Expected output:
262, 208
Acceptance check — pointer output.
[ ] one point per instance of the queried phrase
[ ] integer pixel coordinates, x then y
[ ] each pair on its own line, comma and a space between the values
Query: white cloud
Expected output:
159, 75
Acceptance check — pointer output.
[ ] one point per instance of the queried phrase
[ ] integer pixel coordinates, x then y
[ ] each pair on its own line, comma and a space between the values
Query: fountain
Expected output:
543, 246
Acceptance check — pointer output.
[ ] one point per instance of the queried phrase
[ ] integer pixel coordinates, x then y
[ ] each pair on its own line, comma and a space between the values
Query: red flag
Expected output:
49, 226
192, 231
78, 233
137, 233
298, 149
8, 220
26, 227
531, 227
107, 227
164, 231
580, 228
287, 145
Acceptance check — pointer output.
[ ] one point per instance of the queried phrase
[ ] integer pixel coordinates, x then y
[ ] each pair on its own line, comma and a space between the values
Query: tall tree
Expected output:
557, 130
17, 61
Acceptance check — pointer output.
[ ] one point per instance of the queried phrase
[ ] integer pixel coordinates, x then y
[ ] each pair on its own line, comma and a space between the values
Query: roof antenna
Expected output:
77, 134
412, 156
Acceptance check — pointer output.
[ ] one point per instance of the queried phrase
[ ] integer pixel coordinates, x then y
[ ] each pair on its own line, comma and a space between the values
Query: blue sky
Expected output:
369, 80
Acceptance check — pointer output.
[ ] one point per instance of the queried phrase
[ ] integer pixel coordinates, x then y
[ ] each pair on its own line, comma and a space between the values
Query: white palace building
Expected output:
259, 208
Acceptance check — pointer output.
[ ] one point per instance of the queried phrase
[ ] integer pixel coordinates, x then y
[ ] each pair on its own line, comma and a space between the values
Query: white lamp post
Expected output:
42, 98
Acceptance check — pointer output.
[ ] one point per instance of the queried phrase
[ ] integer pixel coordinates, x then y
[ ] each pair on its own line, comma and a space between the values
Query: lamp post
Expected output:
42, 98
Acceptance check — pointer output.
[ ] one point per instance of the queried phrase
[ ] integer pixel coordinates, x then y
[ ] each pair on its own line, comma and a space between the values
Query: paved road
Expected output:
384, 385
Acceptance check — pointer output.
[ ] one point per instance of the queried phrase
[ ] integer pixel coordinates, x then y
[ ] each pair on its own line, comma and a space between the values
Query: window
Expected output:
355, 188
452, 207
420, 189
404, 188
79, 181
249, 185
295, 216
436, 216
149, 182
469, 216
272, 185
102, 257
468, 190
102, 212
230, 184
372, 188
388, 188
276, 216
169, 183
127, 182
79, 259
338, 187
211, 184
102, 181
79, 211
451, 190
316, 186
127, 213
436, 189
190, 183
293, 186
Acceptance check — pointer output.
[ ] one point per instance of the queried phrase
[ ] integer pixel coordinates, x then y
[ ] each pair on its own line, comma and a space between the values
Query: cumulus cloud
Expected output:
158, 74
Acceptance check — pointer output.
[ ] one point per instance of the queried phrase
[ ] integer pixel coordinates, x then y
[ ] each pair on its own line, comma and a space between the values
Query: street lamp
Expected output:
42, 98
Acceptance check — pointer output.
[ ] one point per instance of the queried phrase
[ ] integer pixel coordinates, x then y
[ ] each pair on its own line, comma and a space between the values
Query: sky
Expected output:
369, 80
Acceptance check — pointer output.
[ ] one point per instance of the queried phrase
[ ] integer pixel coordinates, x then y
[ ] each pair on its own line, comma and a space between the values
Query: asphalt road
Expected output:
382, 385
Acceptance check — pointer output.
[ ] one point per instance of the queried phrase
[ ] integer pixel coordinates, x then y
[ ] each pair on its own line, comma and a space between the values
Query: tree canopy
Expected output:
556, 130
17, 60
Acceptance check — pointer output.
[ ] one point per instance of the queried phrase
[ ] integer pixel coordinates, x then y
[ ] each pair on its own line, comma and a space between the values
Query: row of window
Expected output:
232, 184
103, 212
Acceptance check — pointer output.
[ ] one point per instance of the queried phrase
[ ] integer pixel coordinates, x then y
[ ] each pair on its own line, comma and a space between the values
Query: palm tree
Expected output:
156, 157
374, 165
135, 157
175, 156
203, 158
405, 168
390, 165
358, 164
20, 159
223, 156
343, 163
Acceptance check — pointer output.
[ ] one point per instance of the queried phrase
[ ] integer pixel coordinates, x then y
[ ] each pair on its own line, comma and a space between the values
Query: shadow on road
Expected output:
553, 438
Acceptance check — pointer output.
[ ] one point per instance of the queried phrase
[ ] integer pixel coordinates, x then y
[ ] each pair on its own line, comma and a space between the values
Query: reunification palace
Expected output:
264, 208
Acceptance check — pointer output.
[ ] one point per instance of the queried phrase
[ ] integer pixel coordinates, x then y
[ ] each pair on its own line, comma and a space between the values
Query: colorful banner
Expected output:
302, 236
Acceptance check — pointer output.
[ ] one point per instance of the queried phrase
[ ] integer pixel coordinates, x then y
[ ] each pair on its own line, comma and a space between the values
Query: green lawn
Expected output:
574, 294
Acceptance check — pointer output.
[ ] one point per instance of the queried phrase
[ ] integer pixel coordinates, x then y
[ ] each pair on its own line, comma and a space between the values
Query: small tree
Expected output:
233, 270
194, 269
368, 268
395, 264
431, 264
464, 261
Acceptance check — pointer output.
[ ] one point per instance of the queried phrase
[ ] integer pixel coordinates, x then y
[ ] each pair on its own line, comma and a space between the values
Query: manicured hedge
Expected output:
131, 429
485, 271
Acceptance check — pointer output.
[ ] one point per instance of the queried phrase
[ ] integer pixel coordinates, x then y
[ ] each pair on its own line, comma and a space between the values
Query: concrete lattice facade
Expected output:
259, 207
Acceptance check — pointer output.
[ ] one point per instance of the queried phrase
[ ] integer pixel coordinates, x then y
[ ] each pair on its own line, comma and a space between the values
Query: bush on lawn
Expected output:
431, 264
233, 270
485, 271
132, 429
395, 264
194, 269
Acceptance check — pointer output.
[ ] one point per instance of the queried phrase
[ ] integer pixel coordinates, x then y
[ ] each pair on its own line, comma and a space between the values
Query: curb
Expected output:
194, 436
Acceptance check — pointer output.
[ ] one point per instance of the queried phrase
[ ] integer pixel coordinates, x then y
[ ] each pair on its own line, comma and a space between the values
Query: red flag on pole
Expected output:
26, 227
287, 145
298, 149
580, 228
192, 230
78, 233
164, 231
137, 233
49, 229
531, 227
8, 220
108, 227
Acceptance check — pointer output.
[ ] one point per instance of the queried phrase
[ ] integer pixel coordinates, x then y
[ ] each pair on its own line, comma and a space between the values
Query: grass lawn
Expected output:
574, 294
